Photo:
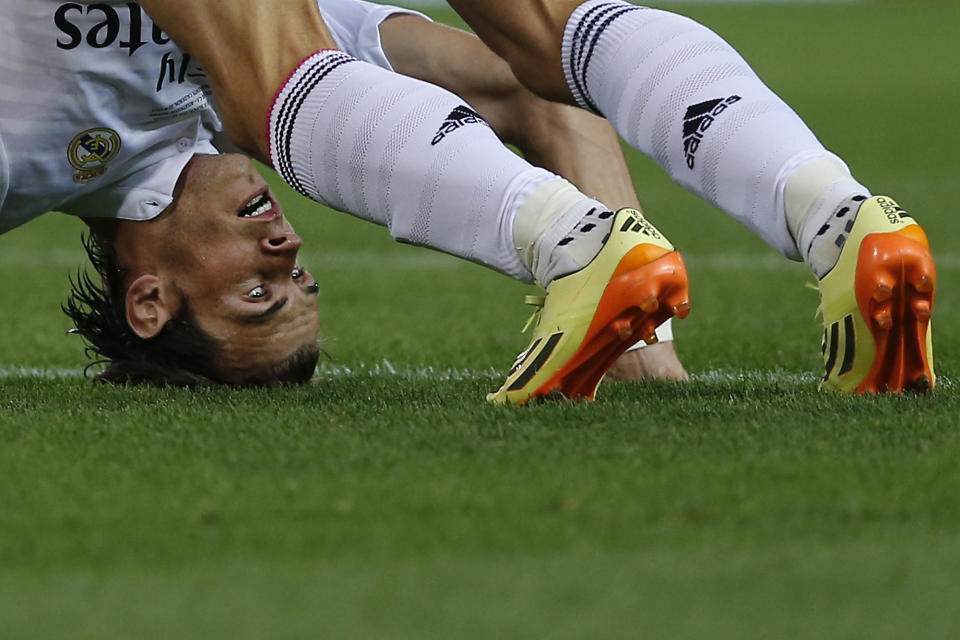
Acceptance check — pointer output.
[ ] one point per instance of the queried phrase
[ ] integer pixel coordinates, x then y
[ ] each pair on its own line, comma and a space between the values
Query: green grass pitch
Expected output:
389, 501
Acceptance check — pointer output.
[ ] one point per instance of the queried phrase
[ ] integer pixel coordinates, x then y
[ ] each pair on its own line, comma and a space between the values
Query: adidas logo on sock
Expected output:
697, 120
459, 117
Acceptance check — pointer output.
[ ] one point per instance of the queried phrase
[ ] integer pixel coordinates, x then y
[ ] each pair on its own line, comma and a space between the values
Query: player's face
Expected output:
227, 246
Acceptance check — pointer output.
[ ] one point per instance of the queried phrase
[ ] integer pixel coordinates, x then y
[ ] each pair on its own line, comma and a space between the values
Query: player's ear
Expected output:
150, 306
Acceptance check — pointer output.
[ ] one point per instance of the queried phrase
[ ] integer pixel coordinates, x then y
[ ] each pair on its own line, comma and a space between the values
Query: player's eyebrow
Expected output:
263, 316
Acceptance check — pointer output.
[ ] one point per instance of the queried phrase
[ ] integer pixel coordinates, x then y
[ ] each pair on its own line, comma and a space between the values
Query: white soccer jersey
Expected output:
100, 111
355, 25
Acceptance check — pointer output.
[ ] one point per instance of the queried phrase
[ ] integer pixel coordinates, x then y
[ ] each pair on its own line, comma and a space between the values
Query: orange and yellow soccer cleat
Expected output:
590, 317
876, 304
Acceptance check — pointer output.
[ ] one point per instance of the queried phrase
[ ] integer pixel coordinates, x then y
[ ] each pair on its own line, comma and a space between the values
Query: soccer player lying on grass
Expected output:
674, 90
199, 266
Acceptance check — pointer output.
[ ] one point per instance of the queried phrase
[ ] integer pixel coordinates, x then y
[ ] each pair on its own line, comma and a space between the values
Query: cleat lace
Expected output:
818, 314
534, 319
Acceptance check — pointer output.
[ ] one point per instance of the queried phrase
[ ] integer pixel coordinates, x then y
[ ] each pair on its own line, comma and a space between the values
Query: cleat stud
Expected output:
650, 305
924, 285
882, 318
621, 328
882, 293
682, 310
921, 308
651, 339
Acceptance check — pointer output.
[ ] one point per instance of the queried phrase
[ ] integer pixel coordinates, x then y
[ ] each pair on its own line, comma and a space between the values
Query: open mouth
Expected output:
259, 206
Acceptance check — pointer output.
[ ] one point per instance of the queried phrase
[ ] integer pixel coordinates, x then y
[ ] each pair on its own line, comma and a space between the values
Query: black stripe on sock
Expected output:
576, 44
593, 45
284, 120
537, 364
295, 102
589, 21
322, 66
290, 108
849, 345
286, 117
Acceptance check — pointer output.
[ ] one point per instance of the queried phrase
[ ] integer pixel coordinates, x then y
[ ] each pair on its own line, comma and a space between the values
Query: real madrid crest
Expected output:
90, 151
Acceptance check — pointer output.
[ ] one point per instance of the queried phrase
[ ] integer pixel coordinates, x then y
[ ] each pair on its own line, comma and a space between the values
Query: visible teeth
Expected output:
258, 206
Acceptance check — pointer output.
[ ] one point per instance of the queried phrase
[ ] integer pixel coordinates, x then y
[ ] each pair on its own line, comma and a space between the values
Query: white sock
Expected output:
403, 154
415, 158
558, 230
821, 201
681, 95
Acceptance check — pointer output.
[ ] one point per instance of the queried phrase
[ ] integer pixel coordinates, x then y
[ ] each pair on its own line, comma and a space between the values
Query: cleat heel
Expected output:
877, 304
665, 276
901, 311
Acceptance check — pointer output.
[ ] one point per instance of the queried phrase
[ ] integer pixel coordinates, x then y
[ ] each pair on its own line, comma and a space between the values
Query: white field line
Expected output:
385, 369
8, 372
428, 260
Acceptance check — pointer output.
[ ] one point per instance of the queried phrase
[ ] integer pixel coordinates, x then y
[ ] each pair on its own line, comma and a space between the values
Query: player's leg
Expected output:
682, 95
249, 49
415, 158
570, 142
528, 34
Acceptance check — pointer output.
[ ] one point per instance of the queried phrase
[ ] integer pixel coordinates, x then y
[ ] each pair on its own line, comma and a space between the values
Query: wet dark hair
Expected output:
182, 354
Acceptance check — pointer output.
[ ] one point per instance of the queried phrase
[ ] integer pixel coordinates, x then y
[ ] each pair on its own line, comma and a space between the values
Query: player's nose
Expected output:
281, 244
